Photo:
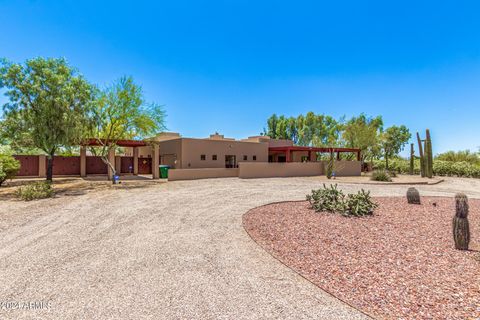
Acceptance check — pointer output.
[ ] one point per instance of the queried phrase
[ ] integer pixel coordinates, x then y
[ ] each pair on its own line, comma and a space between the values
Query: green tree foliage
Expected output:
48, 105
393, 140
364, 133
121, 112
308, 130
9, 167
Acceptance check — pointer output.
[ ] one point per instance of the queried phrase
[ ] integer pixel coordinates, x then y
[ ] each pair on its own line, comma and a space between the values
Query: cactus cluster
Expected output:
426, 155
331, 199
460, 226
413, 196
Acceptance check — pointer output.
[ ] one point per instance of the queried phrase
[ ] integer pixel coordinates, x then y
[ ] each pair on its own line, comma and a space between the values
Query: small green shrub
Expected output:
330, 199
359, 204
9, 167
381, 175
36, 190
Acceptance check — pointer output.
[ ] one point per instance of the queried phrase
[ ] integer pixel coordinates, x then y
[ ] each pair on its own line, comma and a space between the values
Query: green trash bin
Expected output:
164, 171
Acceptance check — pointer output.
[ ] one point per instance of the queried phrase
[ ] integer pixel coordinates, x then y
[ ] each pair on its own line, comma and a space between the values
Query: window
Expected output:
245, 158
202, 157
214, 157
254, 158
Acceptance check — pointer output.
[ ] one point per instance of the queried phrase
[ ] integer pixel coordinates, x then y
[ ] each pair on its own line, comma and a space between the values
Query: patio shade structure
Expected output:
288, 151
111, 156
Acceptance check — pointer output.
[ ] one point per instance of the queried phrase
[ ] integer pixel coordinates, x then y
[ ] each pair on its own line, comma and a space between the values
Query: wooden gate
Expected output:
95, 165
144, 165
126, 165
66, 166
28, 165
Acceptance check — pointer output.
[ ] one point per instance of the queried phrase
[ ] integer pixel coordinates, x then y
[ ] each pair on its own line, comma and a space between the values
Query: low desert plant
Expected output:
36, 190
327, 199
359, 204
460, 226
413, 196
9, 167
331, 199
381, 175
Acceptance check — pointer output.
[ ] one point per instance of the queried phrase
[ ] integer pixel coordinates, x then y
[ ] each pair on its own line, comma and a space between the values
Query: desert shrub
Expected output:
466, 169
330, 199
9, 167
392, 173
381, 175
459, 169
36, 190
397, 165
459, 156
359, 204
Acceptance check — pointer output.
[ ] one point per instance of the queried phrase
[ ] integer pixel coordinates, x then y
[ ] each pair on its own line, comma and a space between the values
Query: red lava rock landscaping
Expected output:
398, 264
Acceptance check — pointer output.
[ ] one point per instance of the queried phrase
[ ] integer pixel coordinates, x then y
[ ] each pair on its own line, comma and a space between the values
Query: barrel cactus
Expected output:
413, 196
461, 229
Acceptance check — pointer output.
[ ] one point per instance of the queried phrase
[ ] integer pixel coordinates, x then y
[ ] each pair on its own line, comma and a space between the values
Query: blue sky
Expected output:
227, 65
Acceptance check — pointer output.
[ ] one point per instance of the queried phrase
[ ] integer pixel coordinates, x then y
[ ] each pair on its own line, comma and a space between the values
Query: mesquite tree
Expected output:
120, 112
48, 105
393, 141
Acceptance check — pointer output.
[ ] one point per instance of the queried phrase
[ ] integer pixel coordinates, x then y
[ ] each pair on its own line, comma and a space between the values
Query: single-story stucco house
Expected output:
192, 158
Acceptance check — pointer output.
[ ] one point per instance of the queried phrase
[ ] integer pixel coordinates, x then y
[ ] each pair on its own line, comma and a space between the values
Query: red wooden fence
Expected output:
28, 165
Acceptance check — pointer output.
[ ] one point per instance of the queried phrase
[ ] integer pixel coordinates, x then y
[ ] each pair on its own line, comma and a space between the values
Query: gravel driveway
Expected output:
167, 251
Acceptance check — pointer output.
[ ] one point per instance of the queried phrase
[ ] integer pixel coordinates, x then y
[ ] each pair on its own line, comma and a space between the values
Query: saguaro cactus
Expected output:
422, 159
460, 226
412, 159
428, 155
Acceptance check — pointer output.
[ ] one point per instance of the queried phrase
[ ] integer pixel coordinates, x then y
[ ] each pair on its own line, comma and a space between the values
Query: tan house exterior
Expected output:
213, 152
191, 158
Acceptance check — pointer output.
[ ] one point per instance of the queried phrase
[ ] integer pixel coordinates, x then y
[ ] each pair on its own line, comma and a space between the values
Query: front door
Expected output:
230, 161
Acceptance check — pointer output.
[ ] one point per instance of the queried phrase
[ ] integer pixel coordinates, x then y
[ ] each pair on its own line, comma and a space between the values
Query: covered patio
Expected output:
309, 154
116, 161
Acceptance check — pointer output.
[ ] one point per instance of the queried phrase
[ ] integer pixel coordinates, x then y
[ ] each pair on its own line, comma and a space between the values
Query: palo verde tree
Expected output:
48, 105
393, 140
121, 112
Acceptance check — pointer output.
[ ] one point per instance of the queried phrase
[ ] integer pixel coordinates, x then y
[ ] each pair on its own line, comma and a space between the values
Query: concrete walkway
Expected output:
167, 251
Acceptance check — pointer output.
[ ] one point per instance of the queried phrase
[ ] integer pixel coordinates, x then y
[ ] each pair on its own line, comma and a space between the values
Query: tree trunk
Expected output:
112, 167
50, 168
386, 162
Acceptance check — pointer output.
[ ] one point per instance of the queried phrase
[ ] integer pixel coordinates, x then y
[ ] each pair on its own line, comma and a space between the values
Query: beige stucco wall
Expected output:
192, 149
272, 169
345, 168
171, 153
204, 173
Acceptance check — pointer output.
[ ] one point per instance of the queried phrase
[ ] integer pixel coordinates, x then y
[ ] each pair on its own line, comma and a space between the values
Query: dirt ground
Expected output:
171, 250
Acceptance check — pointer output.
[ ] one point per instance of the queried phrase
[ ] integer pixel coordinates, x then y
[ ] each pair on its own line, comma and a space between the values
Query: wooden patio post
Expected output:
155, 161
135, 160
83, 161
288, 155
42, 166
